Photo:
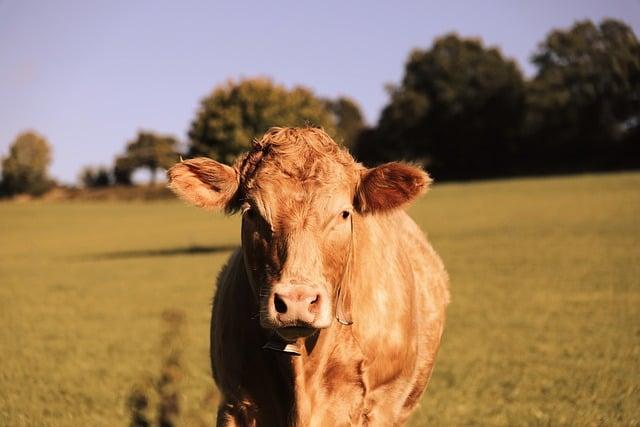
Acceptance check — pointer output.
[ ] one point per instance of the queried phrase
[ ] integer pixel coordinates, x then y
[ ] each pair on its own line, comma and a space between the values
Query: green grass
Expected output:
543, 328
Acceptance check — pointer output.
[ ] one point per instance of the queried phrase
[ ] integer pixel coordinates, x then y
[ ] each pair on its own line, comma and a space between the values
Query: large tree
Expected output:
151, 151
24, 170
238, 112
584, 100
458, 110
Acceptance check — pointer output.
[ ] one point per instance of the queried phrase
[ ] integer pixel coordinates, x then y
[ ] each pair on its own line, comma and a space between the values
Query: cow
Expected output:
331, 311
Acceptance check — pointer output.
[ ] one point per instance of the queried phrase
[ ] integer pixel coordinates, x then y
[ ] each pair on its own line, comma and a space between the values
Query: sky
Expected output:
88, 75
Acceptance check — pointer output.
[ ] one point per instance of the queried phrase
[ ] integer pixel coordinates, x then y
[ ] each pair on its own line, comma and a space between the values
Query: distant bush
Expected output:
95, 177
24, 170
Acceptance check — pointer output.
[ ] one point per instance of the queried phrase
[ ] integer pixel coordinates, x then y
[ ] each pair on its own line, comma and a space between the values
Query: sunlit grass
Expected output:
544, 325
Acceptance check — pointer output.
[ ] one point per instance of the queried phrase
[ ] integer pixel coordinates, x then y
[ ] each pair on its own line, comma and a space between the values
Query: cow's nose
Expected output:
296, 304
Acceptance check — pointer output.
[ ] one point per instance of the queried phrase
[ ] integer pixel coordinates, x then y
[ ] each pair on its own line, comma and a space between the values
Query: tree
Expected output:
150, 151
237, 113
347, 118
24, 170
95, 177
122, 170
458, 110
584, 100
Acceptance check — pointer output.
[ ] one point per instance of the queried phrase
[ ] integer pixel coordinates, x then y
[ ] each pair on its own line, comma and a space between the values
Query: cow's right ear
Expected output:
204, 183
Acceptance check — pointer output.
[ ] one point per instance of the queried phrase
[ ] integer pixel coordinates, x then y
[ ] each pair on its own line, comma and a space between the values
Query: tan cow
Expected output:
322, 237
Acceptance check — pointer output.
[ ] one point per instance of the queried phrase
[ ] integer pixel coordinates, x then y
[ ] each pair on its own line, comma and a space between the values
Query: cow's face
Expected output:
296, 238
299, 196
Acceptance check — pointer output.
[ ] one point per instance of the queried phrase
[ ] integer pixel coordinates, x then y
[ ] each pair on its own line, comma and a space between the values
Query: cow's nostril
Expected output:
315, 300
281, 306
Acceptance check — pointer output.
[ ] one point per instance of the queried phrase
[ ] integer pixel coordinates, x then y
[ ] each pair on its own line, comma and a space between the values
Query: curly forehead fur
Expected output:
304, 154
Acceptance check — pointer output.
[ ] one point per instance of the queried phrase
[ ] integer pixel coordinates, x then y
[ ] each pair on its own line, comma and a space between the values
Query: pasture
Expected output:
543, 328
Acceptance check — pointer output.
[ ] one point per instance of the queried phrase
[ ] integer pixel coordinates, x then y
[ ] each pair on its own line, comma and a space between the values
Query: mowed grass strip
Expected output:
543, 328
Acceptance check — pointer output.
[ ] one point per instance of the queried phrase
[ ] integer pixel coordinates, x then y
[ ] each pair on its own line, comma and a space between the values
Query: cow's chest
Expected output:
331, 390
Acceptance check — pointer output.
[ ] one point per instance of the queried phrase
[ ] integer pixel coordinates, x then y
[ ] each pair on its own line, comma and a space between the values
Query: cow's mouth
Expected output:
292, 333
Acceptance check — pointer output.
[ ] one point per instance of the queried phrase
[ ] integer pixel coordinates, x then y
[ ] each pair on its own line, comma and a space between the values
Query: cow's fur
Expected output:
293, 188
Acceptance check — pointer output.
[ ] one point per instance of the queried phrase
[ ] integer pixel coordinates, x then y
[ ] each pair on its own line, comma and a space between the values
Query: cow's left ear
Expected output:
204, 183
390, 186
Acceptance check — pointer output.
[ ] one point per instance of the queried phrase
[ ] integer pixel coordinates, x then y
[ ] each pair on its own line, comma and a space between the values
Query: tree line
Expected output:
462, 110
233, 115
465, 111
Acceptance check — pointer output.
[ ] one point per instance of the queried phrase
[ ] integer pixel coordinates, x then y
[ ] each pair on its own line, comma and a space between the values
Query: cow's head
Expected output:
299, 194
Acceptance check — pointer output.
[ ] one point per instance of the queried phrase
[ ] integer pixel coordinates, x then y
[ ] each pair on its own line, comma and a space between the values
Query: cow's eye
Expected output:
345, 214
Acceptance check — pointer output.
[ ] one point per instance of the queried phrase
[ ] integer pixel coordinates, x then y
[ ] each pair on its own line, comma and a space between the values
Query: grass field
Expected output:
543, 329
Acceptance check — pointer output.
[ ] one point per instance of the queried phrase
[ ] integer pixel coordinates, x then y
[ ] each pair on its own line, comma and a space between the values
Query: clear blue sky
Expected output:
88, 74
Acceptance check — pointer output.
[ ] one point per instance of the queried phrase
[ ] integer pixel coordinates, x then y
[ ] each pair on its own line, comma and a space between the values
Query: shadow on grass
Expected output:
165, 252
